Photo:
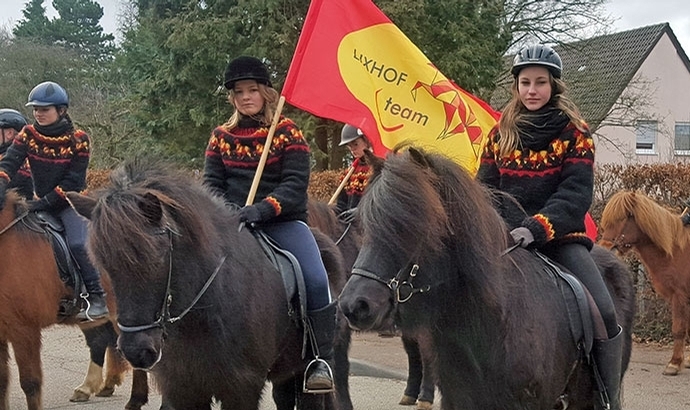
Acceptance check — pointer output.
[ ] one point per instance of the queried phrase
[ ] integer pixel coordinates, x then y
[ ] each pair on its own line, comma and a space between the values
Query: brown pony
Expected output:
632, 221
30, 293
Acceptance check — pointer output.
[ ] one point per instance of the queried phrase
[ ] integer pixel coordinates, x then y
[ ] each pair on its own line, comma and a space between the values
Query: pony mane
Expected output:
420, 202
663, 227
189, 209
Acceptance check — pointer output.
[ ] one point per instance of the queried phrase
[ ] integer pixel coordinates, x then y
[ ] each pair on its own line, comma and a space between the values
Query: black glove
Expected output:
685, 218
3, 192
38, 205
347, 217
522, 236
250, 215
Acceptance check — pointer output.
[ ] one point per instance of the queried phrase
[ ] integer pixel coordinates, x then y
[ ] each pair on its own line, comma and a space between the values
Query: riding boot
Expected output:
607, 358
96, 307
318, 375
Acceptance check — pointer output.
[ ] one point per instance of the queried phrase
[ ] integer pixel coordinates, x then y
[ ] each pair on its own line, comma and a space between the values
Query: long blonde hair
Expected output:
271, 97
514, 114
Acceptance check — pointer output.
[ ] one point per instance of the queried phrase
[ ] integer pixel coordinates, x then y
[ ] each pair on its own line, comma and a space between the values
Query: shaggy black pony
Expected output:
200, 304
433, 256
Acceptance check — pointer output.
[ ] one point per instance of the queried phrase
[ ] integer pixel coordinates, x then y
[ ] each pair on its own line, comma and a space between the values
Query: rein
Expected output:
164, 314
400, 282
347, 229
14, 222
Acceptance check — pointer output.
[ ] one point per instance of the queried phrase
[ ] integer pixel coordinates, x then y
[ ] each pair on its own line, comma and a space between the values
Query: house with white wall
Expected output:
633, 88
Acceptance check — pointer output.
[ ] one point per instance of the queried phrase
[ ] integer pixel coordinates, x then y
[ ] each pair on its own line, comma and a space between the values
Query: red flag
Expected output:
353, 65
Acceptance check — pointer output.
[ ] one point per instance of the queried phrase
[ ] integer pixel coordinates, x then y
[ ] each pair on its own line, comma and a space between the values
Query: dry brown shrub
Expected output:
322, 184
97, 178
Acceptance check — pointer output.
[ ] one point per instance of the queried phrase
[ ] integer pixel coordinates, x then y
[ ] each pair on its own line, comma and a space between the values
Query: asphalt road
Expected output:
379, 367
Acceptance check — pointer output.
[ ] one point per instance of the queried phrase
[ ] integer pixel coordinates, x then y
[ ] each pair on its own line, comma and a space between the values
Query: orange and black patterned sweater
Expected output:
554, 185
232, 157
21, 182
58, 164
353, 190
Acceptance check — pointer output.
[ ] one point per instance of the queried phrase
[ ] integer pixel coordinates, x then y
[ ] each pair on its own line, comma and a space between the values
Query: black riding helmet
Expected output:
349, 134
538, 55
10, 118
246, 68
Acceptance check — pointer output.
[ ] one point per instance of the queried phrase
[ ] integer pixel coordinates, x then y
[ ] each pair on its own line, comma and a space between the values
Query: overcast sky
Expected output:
629, 14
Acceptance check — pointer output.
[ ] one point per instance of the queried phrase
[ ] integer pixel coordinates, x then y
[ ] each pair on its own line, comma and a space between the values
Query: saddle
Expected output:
293, 281
45, 223
580, 307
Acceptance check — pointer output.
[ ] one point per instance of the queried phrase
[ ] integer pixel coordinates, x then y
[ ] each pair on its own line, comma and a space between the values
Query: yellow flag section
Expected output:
410, 99
353, 65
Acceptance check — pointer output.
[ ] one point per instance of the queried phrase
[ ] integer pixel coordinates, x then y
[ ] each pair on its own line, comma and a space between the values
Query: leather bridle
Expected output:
164, 317
619, 240
400, 285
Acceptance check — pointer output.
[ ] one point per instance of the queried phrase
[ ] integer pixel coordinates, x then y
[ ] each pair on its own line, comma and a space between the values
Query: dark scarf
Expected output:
541, 127
63, 126
251, 122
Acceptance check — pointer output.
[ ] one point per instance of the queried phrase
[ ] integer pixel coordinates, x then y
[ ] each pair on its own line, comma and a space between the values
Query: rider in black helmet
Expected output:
232, 158
11, 123
58, 154
352, 192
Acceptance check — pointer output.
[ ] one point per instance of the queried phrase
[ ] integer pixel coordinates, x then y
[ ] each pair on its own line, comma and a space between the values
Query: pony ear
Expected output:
152, 209
81, 203
418, 157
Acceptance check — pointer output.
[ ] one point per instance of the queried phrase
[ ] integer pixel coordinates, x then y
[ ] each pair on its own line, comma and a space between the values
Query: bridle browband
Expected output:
402, 280
164, 316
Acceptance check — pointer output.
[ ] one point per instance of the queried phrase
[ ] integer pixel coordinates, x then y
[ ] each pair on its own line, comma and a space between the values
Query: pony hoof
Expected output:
79, 397
671, 370
106, 392
424, 405
134, 406
407, 400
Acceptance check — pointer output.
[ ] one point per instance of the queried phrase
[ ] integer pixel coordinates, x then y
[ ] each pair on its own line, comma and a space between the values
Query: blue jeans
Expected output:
75, 231
296, 238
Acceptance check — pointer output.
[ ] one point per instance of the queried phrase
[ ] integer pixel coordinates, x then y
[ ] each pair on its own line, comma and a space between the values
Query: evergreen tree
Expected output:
35, 23
77, 27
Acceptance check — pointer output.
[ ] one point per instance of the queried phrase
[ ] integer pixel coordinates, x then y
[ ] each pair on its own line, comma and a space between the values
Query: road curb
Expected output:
367, 369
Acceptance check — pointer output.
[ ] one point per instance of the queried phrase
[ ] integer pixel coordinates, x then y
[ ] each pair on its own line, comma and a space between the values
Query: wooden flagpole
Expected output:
342, 184
264, 155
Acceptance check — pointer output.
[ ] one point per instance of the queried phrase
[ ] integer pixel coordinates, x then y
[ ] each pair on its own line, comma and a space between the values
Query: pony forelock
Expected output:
663, 227
414, 207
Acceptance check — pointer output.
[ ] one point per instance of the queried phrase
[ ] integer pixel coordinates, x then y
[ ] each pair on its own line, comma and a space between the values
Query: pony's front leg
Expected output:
4, 376
27, 354
91, 384
115, 368
679, 328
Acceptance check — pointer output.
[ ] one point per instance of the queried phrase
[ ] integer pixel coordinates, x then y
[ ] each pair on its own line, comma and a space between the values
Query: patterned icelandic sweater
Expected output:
554, 185
21, 182
232, 157
353, 190
58, 164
